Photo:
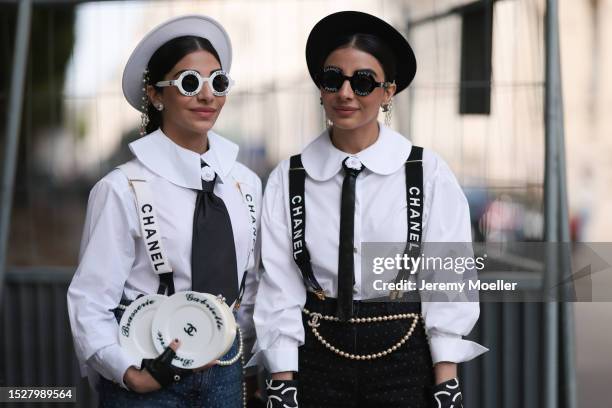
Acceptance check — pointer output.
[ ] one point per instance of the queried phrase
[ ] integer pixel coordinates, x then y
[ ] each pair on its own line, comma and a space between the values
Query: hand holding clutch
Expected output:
161, 367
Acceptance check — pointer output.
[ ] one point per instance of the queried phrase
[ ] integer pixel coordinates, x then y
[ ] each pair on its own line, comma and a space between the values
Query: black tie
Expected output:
213, 252
346, 267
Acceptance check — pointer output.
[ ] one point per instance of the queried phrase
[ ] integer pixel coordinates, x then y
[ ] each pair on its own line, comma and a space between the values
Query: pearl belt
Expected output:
238, 354
314, 323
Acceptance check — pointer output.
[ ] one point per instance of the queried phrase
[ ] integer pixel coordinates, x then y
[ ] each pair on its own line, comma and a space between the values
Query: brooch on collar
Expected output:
208, 174
353, 163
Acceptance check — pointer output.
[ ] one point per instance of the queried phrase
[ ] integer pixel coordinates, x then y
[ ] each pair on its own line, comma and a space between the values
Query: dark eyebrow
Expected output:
181, 71
190, 69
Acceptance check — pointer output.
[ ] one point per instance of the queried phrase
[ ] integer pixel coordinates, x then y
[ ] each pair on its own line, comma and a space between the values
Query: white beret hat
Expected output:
196, 25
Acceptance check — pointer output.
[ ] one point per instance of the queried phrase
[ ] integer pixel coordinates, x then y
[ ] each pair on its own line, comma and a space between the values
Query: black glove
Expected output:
282, 393
448, 394
161, 368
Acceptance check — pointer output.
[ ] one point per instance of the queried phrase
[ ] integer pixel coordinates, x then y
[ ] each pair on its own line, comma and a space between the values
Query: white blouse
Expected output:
113, 259
380, 216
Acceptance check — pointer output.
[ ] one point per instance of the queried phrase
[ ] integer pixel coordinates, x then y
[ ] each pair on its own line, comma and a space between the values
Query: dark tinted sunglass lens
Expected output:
220, 83
190, 83
363, 84
331, 81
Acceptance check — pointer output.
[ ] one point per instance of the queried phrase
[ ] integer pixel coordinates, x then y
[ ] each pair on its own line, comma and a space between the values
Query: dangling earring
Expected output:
144, 117
327, 123
387, 109
160, 107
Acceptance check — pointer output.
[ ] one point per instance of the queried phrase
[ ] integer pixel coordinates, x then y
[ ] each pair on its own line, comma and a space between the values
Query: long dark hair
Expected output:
371, 44
164, 59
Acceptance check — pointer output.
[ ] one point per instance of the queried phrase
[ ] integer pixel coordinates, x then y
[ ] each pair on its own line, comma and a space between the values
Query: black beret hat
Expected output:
321, 42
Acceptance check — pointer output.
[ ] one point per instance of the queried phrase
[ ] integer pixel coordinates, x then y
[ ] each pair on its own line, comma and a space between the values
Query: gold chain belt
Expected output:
314, 323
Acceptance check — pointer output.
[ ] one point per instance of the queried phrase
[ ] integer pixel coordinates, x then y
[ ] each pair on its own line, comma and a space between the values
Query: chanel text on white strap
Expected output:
248, 196
147, 215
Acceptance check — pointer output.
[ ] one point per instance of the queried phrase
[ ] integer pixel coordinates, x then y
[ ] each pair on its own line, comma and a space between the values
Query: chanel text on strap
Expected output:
248, 196
297, 206
414, 197
149, 226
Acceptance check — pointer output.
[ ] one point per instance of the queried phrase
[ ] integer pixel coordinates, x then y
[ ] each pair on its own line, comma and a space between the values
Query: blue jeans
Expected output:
217, 387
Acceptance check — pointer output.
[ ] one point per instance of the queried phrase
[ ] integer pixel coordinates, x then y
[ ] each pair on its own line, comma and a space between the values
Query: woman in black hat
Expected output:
201, 236
358, 182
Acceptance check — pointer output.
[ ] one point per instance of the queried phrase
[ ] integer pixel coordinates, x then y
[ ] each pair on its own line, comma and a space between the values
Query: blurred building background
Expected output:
478, 100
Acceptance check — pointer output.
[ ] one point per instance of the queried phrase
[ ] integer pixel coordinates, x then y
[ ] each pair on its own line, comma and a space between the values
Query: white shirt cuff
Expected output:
282, 359
115, 363
453, 348
276, 360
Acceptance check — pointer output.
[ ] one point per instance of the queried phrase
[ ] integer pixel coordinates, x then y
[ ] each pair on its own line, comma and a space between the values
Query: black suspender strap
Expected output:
297, 208
414, 199
166, 282
241, 291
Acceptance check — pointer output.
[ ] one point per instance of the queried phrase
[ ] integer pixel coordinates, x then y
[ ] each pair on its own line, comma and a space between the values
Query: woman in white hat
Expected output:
358, 182
206, 219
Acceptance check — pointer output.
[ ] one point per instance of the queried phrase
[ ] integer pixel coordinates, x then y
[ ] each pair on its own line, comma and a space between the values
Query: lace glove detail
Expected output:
448, 394
282, 393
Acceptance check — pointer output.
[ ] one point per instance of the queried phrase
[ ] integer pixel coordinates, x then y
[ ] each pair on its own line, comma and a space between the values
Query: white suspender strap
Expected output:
147, 215
248, 197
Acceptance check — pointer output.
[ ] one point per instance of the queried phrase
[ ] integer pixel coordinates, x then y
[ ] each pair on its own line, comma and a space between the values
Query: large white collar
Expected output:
181, 166
322, 160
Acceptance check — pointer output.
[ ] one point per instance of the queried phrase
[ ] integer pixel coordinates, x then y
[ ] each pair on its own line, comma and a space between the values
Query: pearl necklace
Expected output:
314, 323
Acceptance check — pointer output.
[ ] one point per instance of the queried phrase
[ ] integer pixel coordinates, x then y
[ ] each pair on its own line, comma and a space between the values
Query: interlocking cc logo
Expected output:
190, 329
314, 319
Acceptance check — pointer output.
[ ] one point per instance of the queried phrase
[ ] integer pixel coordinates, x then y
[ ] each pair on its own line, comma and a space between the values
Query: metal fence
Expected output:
35, 341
